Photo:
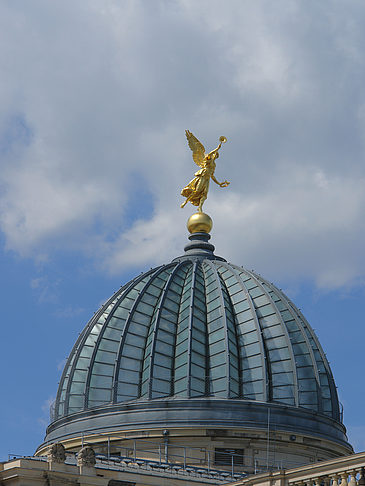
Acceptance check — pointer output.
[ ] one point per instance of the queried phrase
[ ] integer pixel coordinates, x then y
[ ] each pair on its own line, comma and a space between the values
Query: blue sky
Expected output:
95, 97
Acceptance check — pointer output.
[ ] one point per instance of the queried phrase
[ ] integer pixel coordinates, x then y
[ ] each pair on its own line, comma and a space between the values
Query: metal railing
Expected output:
165, 468
188, 456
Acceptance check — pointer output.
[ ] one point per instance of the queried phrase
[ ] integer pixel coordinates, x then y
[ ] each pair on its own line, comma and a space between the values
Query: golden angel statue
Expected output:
197, 190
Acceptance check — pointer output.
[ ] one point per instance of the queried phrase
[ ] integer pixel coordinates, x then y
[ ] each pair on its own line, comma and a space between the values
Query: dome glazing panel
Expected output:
198, 327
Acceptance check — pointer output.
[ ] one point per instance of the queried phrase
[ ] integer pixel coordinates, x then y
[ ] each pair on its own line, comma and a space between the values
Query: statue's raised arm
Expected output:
196, 191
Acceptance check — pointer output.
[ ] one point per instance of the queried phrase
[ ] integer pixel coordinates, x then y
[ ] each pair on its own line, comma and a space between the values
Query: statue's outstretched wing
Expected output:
196, 147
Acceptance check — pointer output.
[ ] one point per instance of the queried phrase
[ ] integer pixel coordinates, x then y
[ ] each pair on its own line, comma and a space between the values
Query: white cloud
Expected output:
303, 228
46, 290
95, 99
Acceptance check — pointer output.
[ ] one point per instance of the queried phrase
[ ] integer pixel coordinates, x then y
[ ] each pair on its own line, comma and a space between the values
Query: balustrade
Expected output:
349, 477
341, 471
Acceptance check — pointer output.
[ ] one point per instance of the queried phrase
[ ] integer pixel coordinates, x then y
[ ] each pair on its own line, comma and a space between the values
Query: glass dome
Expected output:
198, 327
201, 349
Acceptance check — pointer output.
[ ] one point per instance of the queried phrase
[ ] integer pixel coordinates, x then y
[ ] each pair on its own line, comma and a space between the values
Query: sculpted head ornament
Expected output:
57, 453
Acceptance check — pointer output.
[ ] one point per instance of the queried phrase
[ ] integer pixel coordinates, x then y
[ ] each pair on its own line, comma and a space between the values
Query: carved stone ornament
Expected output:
57, 453
86, 457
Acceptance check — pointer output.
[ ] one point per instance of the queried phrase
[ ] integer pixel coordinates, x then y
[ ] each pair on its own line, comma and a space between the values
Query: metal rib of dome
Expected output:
197, 327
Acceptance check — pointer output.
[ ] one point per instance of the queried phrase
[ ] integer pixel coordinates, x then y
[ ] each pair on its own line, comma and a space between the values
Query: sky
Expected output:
94, 100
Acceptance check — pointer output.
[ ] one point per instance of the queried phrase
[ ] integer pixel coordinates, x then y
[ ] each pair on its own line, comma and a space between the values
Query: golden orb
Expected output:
199, 222
223, 139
